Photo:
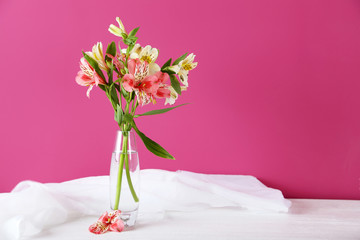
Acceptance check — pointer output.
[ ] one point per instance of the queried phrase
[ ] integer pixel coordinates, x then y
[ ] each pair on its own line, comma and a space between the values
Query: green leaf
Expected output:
167, 70
114, 95
152, 146
117, 71
176, 62
130, 40
133, 32
128, 118
118, 80
132, 96
124, 35
103, 87
111, 49
175, 84
123, 72
124, 92
167, 64
94, 64
117, 87
159, 111
118, 116
128, 50
110, 73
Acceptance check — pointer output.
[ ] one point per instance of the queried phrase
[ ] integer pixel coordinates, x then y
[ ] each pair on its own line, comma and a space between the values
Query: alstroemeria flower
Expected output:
98, 55
139, 80
117, 31
108, 222
87, 76
137, 72
147, 86
163, 89
185, 66
146, 54
173, 95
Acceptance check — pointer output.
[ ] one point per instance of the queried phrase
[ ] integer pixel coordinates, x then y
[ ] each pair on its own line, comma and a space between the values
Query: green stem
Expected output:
120, 171
134, 108
110, 99
133, 105
120, 96
133, 193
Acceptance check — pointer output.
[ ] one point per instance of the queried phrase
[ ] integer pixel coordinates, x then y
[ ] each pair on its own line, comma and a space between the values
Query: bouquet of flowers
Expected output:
130, 77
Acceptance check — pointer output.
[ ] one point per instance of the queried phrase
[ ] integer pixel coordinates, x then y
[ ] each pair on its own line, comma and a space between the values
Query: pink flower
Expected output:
87, 76
163, 90
147, 87
108, 222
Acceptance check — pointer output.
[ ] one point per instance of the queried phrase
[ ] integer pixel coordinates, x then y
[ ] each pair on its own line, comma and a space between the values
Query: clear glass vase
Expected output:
125, 178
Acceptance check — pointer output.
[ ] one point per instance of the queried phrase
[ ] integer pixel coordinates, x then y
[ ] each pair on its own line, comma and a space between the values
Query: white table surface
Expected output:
307, 219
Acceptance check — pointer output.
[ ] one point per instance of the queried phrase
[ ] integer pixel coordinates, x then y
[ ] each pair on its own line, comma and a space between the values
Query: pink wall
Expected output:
275, 95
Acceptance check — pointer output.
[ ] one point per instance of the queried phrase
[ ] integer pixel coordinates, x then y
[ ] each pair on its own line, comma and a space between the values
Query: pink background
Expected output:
275, 95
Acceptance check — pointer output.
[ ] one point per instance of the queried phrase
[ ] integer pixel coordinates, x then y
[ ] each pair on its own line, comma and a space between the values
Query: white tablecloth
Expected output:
174, 205
307, 220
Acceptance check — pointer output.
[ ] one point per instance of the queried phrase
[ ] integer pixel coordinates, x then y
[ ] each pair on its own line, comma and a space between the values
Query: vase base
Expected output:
129, 218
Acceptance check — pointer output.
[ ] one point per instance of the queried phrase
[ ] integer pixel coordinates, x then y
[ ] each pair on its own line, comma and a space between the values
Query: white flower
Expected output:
117, 31
135, 51
98, 55
173, 95
185, 66
146, 54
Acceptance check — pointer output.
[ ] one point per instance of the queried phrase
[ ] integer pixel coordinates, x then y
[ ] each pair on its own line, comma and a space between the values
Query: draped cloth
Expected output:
32, 206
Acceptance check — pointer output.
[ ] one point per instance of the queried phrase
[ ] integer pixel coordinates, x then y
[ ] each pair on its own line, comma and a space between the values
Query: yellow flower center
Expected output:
146, 58
187, 66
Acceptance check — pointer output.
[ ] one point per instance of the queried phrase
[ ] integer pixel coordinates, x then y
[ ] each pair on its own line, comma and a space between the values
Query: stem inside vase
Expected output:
124, 157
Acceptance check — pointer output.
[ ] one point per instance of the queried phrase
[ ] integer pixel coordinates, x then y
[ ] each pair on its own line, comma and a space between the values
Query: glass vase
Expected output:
125, 178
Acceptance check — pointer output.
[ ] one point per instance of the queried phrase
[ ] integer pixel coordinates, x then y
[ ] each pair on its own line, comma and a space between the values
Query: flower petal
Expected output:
83, 79
89, 90
108, 222
162, 77
149, 84
121, 25
98, 79
115, 30
117, 225
128, 82
163, 92
183, 74
153, 68
132, 63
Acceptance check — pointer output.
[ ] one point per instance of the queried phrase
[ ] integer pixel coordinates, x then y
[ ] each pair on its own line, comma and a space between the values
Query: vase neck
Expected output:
125, 136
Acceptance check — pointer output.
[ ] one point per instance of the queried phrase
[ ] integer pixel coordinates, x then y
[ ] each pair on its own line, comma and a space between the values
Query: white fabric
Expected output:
32, 207
307, 219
